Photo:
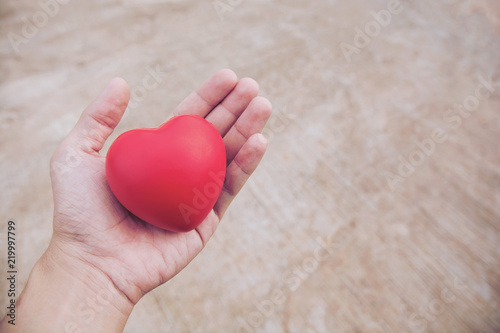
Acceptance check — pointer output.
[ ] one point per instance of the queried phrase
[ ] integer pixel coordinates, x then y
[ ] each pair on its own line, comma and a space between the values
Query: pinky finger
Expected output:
239, 170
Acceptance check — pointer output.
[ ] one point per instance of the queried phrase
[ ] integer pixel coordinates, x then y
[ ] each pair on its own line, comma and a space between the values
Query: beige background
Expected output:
420, 255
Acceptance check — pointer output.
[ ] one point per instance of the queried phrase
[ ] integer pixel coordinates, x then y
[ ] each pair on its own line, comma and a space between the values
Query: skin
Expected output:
101, 259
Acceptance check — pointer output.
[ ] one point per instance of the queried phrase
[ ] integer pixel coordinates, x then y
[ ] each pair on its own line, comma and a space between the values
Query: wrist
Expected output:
67, 295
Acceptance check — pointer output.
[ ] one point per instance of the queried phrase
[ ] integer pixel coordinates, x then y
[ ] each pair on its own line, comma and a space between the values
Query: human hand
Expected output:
96, 238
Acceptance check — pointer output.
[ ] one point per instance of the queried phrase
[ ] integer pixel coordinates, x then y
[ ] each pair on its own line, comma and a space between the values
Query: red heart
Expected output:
171, 176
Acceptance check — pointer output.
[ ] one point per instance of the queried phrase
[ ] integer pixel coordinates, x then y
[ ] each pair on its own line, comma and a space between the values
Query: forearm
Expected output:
64, 296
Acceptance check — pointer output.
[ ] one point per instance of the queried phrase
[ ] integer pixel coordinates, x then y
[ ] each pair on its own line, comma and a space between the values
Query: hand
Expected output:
96, 238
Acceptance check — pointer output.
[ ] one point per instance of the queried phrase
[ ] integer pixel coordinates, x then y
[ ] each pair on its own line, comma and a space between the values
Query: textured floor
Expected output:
377, 205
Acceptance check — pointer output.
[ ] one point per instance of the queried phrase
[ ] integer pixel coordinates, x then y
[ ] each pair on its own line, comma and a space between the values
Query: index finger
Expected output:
201, 101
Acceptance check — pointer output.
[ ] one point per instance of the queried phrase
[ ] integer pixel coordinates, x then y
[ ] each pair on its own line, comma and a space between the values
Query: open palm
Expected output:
93, 228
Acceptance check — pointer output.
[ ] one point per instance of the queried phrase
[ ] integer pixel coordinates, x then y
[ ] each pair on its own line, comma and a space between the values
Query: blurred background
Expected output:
377, 205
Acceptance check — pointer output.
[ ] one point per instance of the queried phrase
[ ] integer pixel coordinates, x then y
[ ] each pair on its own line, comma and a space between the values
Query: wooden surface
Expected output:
377, 205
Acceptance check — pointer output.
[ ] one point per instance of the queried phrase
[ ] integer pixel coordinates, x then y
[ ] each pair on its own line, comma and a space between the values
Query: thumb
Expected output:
100, 118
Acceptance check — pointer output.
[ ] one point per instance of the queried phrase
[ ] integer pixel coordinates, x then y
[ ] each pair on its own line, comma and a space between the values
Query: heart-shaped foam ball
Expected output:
171, 176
